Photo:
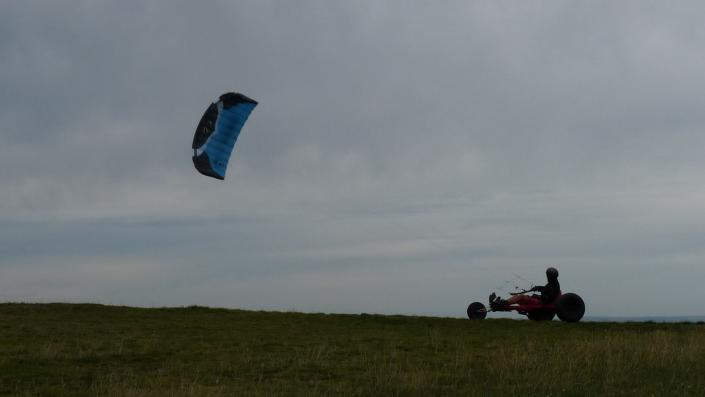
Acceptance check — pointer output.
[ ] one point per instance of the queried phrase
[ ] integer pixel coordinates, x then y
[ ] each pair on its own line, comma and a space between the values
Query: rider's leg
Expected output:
515, 298
524, 300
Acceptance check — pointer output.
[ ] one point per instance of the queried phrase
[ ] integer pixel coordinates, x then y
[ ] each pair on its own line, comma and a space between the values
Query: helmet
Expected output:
551, 272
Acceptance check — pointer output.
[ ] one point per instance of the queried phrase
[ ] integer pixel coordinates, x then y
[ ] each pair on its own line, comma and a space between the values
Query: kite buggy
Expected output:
568, 307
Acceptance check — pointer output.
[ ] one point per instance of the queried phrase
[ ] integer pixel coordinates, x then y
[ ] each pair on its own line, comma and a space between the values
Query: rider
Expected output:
549, 293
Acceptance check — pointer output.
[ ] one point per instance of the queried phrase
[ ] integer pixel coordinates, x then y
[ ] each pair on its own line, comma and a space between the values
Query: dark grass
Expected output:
94, 350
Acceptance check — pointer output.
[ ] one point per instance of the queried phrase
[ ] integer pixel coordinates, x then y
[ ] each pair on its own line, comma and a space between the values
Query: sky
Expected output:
406, 157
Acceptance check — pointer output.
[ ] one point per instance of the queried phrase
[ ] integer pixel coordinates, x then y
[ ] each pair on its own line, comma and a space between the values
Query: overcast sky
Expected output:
405, 157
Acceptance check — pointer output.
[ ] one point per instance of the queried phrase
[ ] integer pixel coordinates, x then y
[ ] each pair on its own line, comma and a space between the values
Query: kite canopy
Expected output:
217, 132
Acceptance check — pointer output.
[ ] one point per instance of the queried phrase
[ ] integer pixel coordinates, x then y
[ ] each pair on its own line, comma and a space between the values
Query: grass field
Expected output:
94, 350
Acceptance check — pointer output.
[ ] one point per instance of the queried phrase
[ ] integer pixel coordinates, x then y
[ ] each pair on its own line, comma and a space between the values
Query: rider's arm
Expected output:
538, 288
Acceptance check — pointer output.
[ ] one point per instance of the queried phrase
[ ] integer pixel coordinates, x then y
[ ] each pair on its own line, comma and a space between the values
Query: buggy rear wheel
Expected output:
570, 307
477, 311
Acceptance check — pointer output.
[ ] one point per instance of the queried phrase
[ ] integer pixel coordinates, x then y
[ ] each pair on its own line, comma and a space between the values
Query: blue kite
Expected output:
217, 132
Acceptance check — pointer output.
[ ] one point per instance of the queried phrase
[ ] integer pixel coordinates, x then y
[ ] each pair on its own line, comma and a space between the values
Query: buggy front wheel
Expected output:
477, 311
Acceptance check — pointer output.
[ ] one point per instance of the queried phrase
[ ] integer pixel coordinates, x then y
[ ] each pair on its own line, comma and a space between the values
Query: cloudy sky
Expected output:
405, 157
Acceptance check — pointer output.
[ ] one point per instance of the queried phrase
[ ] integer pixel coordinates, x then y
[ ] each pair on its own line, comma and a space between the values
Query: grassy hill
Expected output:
94, 350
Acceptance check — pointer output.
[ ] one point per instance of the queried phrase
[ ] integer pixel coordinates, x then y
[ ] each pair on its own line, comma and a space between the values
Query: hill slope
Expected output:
94, 350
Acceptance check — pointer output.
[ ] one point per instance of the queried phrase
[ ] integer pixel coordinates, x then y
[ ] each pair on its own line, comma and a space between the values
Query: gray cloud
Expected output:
404, 157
